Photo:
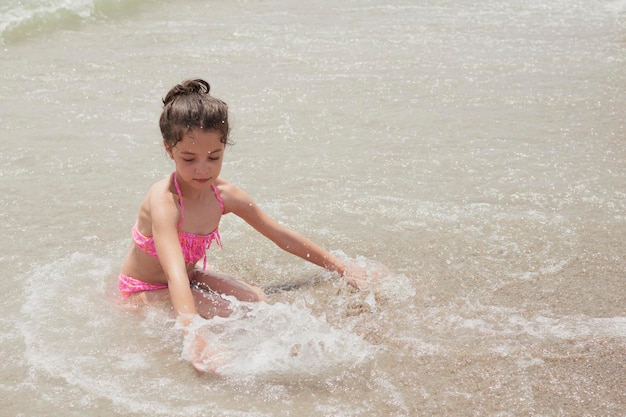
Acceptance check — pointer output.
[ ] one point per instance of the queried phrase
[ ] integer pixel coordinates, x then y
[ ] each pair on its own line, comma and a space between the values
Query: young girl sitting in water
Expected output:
179, 217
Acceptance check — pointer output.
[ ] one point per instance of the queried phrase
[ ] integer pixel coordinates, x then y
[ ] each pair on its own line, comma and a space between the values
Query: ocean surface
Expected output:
470, 154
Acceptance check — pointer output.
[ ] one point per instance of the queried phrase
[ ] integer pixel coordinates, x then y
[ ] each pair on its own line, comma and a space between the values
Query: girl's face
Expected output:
198, 157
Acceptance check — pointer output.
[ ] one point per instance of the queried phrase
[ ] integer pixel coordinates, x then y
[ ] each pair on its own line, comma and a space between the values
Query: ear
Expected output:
168, 149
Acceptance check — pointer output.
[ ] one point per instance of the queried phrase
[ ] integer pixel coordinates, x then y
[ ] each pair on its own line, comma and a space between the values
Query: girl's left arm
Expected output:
241, 204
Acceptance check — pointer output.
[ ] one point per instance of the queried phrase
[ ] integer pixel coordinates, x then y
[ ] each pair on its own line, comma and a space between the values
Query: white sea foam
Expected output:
617, 7
20, 19
279, 338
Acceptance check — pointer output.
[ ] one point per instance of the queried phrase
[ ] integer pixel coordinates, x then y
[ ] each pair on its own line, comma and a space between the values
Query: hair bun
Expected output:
188, 87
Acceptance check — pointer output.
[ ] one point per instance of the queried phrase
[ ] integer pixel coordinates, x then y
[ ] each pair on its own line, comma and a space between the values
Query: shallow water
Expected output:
473, 151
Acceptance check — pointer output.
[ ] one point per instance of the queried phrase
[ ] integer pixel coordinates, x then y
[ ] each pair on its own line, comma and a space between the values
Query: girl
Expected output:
179, 217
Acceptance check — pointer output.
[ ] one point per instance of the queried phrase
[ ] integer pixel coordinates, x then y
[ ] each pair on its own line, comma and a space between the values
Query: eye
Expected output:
188, 159
214, 158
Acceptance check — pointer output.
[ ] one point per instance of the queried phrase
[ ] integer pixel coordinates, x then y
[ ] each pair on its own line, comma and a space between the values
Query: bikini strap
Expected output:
180, 200
182, 206
218, 196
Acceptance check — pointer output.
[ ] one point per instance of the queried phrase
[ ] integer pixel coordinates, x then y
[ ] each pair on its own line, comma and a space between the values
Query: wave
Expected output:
26, 19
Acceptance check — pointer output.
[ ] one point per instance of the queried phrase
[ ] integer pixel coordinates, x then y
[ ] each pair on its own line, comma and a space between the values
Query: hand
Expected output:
362, 277
201, 354
356, 276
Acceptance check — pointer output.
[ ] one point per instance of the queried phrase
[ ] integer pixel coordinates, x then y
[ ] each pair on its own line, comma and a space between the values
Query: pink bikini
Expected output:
194, 248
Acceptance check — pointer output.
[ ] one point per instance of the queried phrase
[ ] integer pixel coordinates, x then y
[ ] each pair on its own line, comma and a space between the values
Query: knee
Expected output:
257, 295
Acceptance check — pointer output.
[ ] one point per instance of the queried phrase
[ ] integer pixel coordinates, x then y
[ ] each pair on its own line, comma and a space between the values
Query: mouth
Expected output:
202, 180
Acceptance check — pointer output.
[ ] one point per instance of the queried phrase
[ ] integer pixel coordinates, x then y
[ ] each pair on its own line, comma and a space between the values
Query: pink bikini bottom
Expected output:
129, 285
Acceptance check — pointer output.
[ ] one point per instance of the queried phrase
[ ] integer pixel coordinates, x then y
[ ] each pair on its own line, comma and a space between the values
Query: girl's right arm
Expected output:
165, 217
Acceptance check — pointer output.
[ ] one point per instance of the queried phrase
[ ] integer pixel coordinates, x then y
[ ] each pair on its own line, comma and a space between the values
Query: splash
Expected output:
291, 338
379, 280
268, 339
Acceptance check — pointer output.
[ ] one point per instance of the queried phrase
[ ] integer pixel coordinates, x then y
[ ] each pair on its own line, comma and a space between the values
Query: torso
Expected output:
142, 260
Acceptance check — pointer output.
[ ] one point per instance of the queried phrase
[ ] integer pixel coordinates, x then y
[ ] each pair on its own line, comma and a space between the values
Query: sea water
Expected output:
469, 155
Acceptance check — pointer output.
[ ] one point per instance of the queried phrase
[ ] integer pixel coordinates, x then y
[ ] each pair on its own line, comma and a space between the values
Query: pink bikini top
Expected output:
194, 246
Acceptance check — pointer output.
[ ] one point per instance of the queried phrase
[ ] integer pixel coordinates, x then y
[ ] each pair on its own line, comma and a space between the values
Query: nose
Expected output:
203, 168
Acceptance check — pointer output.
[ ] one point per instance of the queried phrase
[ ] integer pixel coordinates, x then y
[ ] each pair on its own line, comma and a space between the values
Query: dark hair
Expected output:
188, 106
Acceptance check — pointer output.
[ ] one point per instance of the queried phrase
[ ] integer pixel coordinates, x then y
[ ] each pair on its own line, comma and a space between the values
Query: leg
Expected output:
141, 299
209, 304
224, 284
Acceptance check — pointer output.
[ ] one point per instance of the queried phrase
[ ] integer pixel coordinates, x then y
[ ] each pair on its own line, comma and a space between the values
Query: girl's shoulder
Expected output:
223, 186
231, 195
159, 202
161, 193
